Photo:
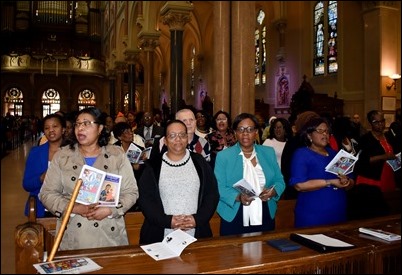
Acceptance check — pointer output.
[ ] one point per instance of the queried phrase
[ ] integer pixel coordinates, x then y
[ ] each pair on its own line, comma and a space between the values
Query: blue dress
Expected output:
319, 207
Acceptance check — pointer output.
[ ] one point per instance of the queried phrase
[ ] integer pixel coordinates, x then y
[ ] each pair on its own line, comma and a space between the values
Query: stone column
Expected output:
176, 14
120, 67
112, 92
381, 56
242, 71
221, 92
148, 43
131, 57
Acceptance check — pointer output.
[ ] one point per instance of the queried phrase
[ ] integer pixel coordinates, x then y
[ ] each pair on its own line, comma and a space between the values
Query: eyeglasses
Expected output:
85, 123
249, 129
322, 131
222, 119
173, 136
378, 121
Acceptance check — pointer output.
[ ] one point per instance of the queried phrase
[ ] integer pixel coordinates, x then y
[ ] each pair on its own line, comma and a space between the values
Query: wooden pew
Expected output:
37, 235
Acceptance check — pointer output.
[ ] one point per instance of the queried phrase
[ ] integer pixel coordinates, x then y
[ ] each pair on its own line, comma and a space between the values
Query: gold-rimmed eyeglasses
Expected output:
85, 123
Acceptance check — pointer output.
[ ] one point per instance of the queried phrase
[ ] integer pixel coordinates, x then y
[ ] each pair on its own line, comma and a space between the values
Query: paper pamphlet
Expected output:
342, 163
69, 266
245, 187
395, 163
384, 235
171, 246
98, 186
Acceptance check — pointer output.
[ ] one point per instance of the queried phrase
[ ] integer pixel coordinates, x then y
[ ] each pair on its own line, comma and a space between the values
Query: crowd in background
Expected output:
281, 158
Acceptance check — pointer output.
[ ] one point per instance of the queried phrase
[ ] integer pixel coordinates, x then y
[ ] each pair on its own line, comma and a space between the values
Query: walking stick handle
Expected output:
66, 217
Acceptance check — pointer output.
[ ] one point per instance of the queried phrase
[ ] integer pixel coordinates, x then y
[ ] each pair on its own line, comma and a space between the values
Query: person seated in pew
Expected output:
178, 189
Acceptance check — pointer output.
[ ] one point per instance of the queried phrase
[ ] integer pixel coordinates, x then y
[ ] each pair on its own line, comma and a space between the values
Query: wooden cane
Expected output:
65, 220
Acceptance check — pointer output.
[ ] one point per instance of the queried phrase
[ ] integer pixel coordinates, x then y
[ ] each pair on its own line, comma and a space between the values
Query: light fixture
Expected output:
394, 78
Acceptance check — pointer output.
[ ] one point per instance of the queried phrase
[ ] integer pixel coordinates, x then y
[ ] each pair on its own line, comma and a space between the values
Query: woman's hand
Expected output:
98, 213
184, 222
267, 194
245, 200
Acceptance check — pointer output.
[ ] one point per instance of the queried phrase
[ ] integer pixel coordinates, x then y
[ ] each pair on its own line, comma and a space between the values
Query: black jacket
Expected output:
151, 205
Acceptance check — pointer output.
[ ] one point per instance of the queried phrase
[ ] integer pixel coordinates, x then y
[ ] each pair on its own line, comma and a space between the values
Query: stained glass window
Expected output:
325, 33
260, 33
50, 102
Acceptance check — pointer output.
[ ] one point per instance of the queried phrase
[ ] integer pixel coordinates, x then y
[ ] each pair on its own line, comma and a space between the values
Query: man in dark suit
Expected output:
149, 132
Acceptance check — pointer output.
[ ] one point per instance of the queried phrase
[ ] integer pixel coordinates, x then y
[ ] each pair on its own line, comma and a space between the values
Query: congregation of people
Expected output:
195, 159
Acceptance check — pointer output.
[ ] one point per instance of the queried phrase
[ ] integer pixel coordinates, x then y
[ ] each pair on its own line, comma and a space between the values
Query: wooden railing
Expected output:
36, 236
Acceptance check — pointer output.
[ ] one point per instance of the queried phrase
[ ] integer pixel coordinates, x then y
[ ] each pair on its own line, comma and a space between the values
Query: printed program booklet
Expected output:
245, 187
136, 155
68, 266
98, 187
384, 235
395, 163
171, 246
342, 163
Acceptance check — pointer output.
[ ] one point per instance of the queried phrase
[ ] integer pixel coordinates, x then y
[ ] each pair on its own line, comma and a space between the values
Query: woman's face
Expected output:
320, 137
378, 123
86, 129
176, 139
200, 118
53, 130
127, 136
279, 130
246, 133
222, 122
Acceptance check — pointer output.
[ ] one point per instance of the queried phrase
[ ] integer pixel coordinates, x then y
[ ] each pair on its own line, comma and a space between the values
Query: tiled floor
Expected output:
13, 198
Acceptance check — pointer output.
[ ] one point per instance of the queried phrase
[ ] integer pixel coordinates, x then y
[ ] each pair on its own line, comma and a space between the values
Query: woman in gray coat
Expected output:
89, 226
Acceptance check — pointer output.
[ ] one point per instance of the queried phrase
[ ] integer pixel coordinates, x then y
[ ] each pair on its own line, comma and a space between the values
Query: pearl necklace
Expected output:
175, 165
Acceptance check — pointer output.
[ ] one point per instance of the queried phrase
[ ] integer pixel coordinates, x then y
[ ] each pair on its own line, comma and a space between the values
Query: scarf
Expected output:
252, 214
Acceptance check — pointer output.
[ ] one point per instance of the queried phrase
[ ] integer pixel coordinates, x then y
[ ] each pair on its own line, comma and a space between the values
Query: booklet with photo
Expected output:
395, 163
92, 182
109, 196
134, 153
245, 187
98, 187
342, 163
145, 154
171, 246
68, 266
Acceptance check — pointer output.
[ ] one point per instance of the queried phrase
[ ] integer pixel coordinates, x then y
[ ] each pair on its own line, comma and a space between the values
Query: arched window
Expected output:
325, 18
13, 101
260, 49
86, 99
50, 102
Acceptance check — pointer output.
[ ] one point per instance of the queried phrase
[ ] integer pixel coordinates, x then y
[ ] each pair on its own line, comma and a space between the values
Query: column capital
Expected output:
148, 41
120, 66
131, 55
176, 14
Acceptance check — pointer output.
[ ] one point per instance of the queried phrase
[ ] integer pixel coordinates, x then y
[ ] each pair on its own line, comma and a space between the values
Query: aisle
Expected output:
13, 198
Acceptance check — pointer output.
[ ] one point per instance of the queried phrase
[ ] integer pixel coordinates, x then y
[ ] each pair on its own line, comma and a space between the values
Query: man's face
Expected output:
189, 119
